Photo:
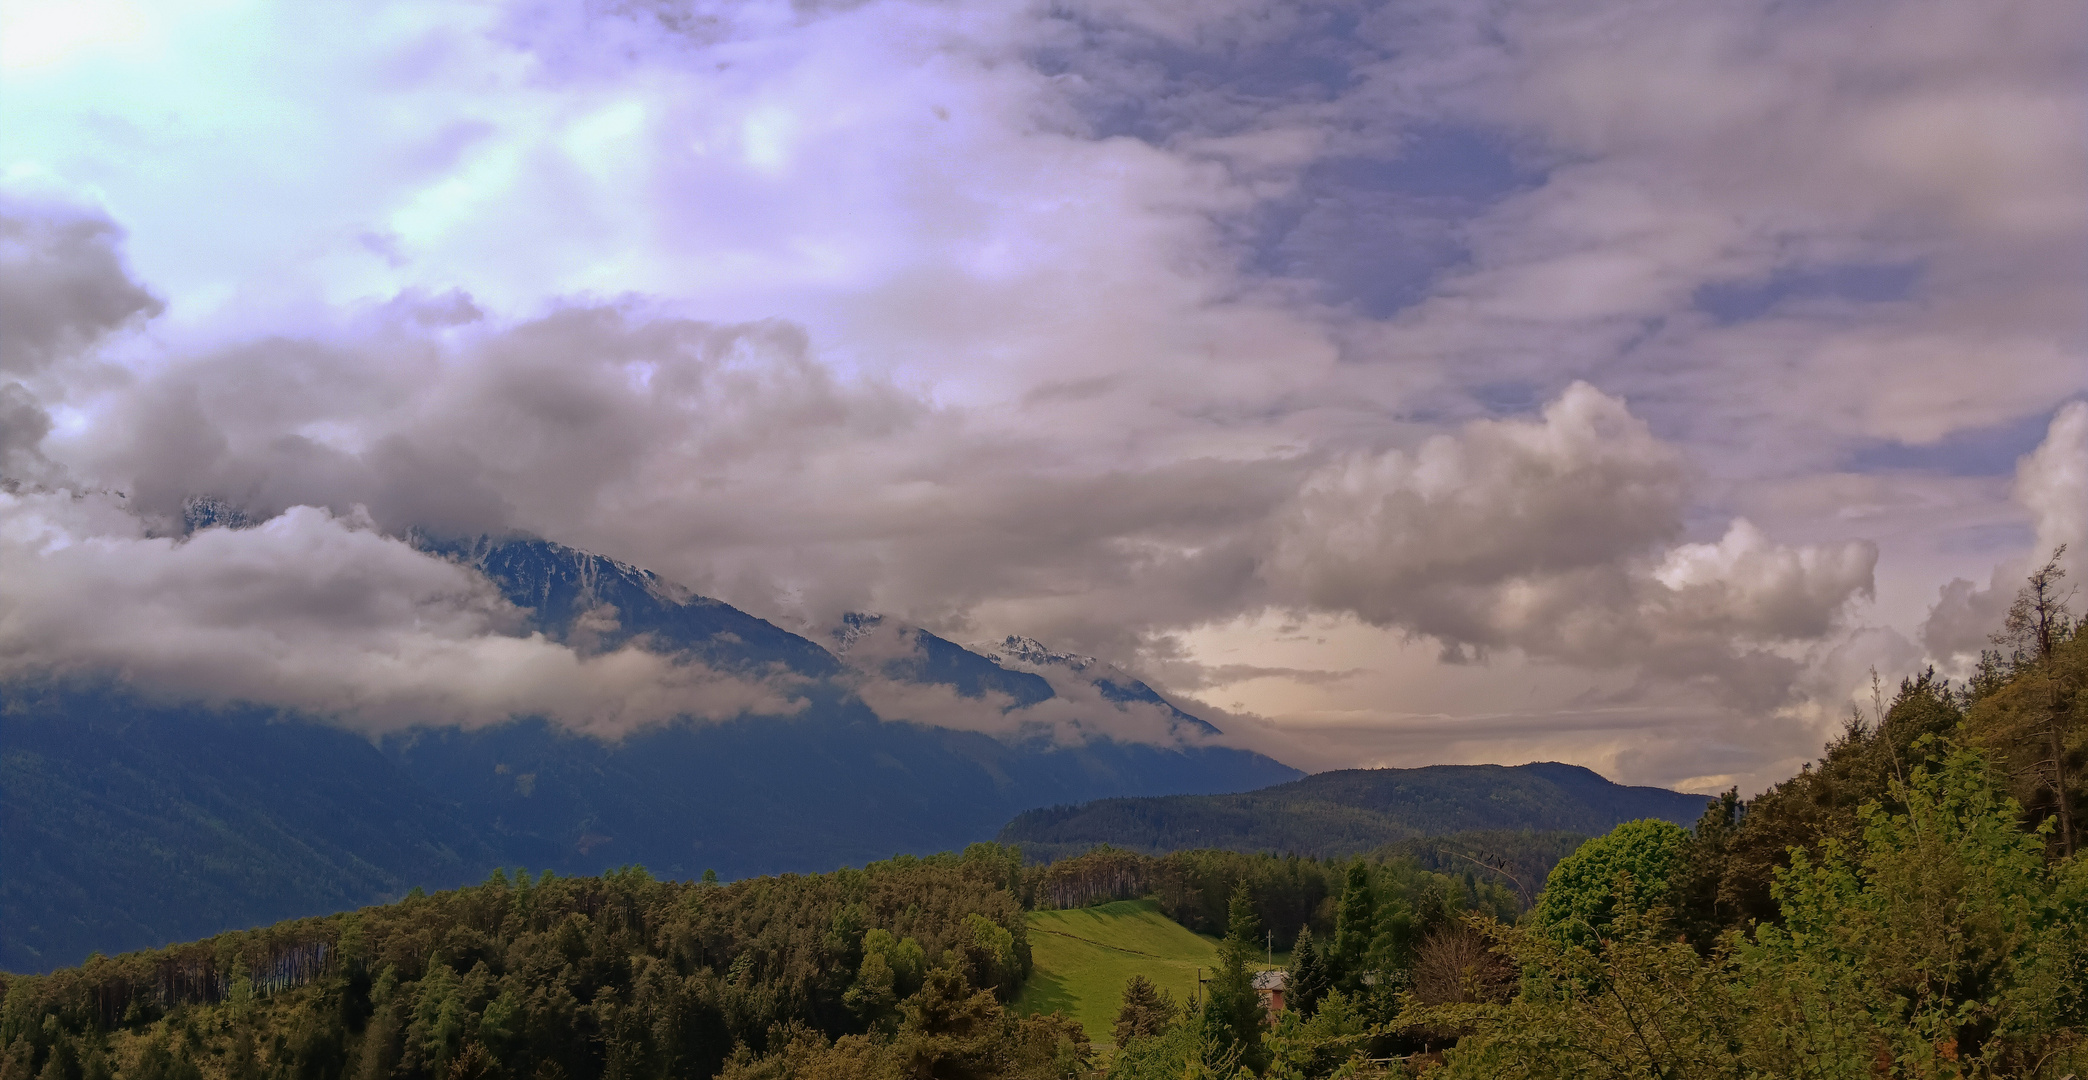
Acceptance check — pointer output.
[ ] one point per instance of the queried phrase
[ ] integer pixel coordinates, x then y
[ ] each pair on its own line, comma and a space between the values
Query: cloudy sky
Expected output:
1393, 383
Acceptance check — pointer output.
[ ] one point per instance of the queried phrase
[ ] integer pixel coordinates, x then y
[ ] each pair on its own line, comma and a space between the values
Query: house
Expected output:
1271, 985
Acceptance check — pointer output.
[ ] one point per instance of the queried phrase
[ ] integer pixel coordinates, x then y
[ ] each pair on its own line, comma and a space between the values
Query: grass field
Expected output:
1083, 957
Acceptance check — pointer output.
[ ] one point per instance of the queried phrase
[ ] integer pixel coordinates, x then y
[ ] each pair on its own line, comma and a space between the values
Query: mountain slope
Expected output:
128, 823
1353, 810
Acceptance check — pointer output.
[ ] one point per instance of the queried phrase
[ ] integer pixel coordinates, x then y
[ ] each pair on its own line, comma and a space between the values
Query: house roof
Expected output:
1272, 980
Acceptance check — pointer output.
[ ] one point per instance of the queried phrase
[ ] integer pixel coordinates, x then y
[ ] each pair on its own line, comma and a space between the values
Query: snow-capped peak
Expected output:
855, 626
1028, 650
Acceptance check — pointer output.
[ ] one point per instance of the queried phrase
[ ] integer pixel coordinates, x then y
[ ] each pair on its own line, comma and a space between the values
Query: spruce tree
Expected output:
1233, 1013
1308, 975
1355, 927
1147, 1011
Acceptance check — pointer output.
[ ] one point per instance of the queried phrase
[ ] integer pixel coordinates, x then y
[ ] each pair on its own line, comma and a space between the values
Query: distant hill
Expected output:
128, 822
1354, 810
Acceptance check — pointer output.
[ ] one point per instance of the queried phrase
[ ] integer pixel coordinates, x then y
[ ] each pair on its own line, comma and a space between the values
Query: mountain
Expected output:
1352, 810
1030, 654
128, 822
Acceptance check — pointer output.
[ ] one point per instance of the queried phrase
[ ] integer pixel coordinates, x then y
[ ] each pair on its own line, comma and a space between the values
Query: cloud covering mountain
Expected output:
1411, 381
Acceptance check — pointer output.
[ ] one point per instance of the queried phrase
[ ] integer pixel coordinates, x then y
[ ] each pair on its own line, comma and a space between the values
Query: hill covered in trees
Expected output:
907, 964
1354, 810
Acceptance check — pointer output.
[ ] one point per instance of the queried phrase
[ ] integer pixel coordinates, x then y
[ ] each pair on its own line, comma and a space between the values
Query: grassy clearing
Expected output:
1084, 956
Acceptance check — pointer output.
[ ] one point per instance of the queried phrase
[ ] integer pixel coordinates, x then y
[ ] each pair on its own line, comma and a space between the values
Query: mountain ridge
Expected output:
1346, 811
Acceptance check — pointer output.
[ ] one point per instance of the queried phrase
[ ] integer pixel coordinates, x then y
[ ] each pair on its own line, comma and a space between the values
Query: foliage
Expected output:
1629, 867
1290, 893
1147, 1011
1737, 848
1309, 981
949, 1032
619, 976
2029, 709
1304, 1047
1233, 1014
1946, 928
1182, 1051
1941, 944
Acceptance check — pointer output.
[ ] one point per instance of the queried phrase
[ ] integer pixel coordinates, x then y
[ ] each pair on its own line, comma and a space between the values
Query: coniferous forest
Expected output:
1913, 904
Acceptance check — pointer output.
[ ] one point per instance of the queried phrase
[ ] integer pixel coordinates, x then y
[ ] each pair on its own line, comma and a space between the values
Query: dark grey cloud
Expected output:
63, 285
63, 290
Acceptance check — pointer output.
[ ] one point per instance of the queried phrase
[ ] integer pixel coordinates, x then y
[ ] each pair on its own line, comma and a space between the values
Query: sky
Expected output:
1391, 383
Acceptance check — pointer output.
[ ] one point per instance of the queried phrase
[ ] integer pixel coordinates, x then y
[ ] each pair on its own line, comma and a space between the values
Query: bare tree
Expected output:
2039, 621
1456, 965
2041, 617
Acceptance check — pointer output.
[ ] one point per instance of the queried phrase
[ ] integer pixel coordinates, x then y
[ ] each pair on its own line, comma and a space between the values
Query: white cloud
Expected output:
319, 614
1075, 714
2051, 483
1544, 536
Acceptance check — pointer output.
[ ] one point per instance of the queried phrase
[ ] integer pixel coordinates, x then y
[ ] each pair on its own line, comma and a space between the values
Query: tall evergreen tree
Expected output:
1355, 926
1233, 1013
1308, 975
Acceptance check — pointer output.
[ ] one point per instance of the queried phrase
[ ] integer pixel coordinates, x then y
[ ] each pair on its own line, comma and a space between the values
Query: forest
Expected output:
1913, 904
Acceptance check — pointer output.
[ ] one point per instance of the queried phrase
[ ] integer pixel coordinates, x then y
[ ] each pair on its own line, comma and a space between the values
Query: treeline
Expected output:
899, 966
616, 976
1290, 894
896, 966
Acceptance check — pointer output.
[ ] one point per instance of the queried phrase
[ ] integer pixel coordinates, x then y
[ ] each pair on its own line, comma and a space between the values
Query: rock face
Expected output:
129, 822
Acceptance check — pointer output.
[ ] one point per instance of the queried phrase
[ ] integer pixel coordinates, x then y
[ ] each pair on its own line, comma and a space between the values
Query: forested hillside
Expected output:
1353, 810
907, 963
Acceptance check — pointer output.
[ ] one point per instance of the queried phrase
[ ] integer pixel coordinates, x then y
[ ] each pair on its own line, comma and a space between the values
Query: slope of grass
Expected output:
1084, 956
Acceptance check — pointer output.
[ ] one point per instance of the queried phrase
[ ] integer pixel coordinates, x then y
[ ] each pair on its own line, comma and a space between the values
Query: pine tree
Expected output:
1355, 927
1147, 1011
1308, 975
1233, 1013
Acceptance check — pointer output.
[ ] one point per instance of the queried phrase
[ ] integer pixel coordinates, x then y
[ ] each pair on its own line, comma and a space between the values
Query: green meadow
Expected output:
1083, 956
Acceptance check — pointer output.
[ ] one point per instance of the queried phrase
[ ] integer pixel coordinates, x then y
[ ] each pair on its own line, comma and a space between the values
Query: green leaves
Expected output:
1941, 944
1630, 868
1947, 929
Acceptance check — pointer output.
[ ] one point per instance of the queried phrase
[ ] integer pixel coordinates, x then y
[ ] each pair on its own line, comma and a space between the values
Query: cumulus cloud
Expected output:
320, 614
63, 286
1543, 535
2051, 483
63, 290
